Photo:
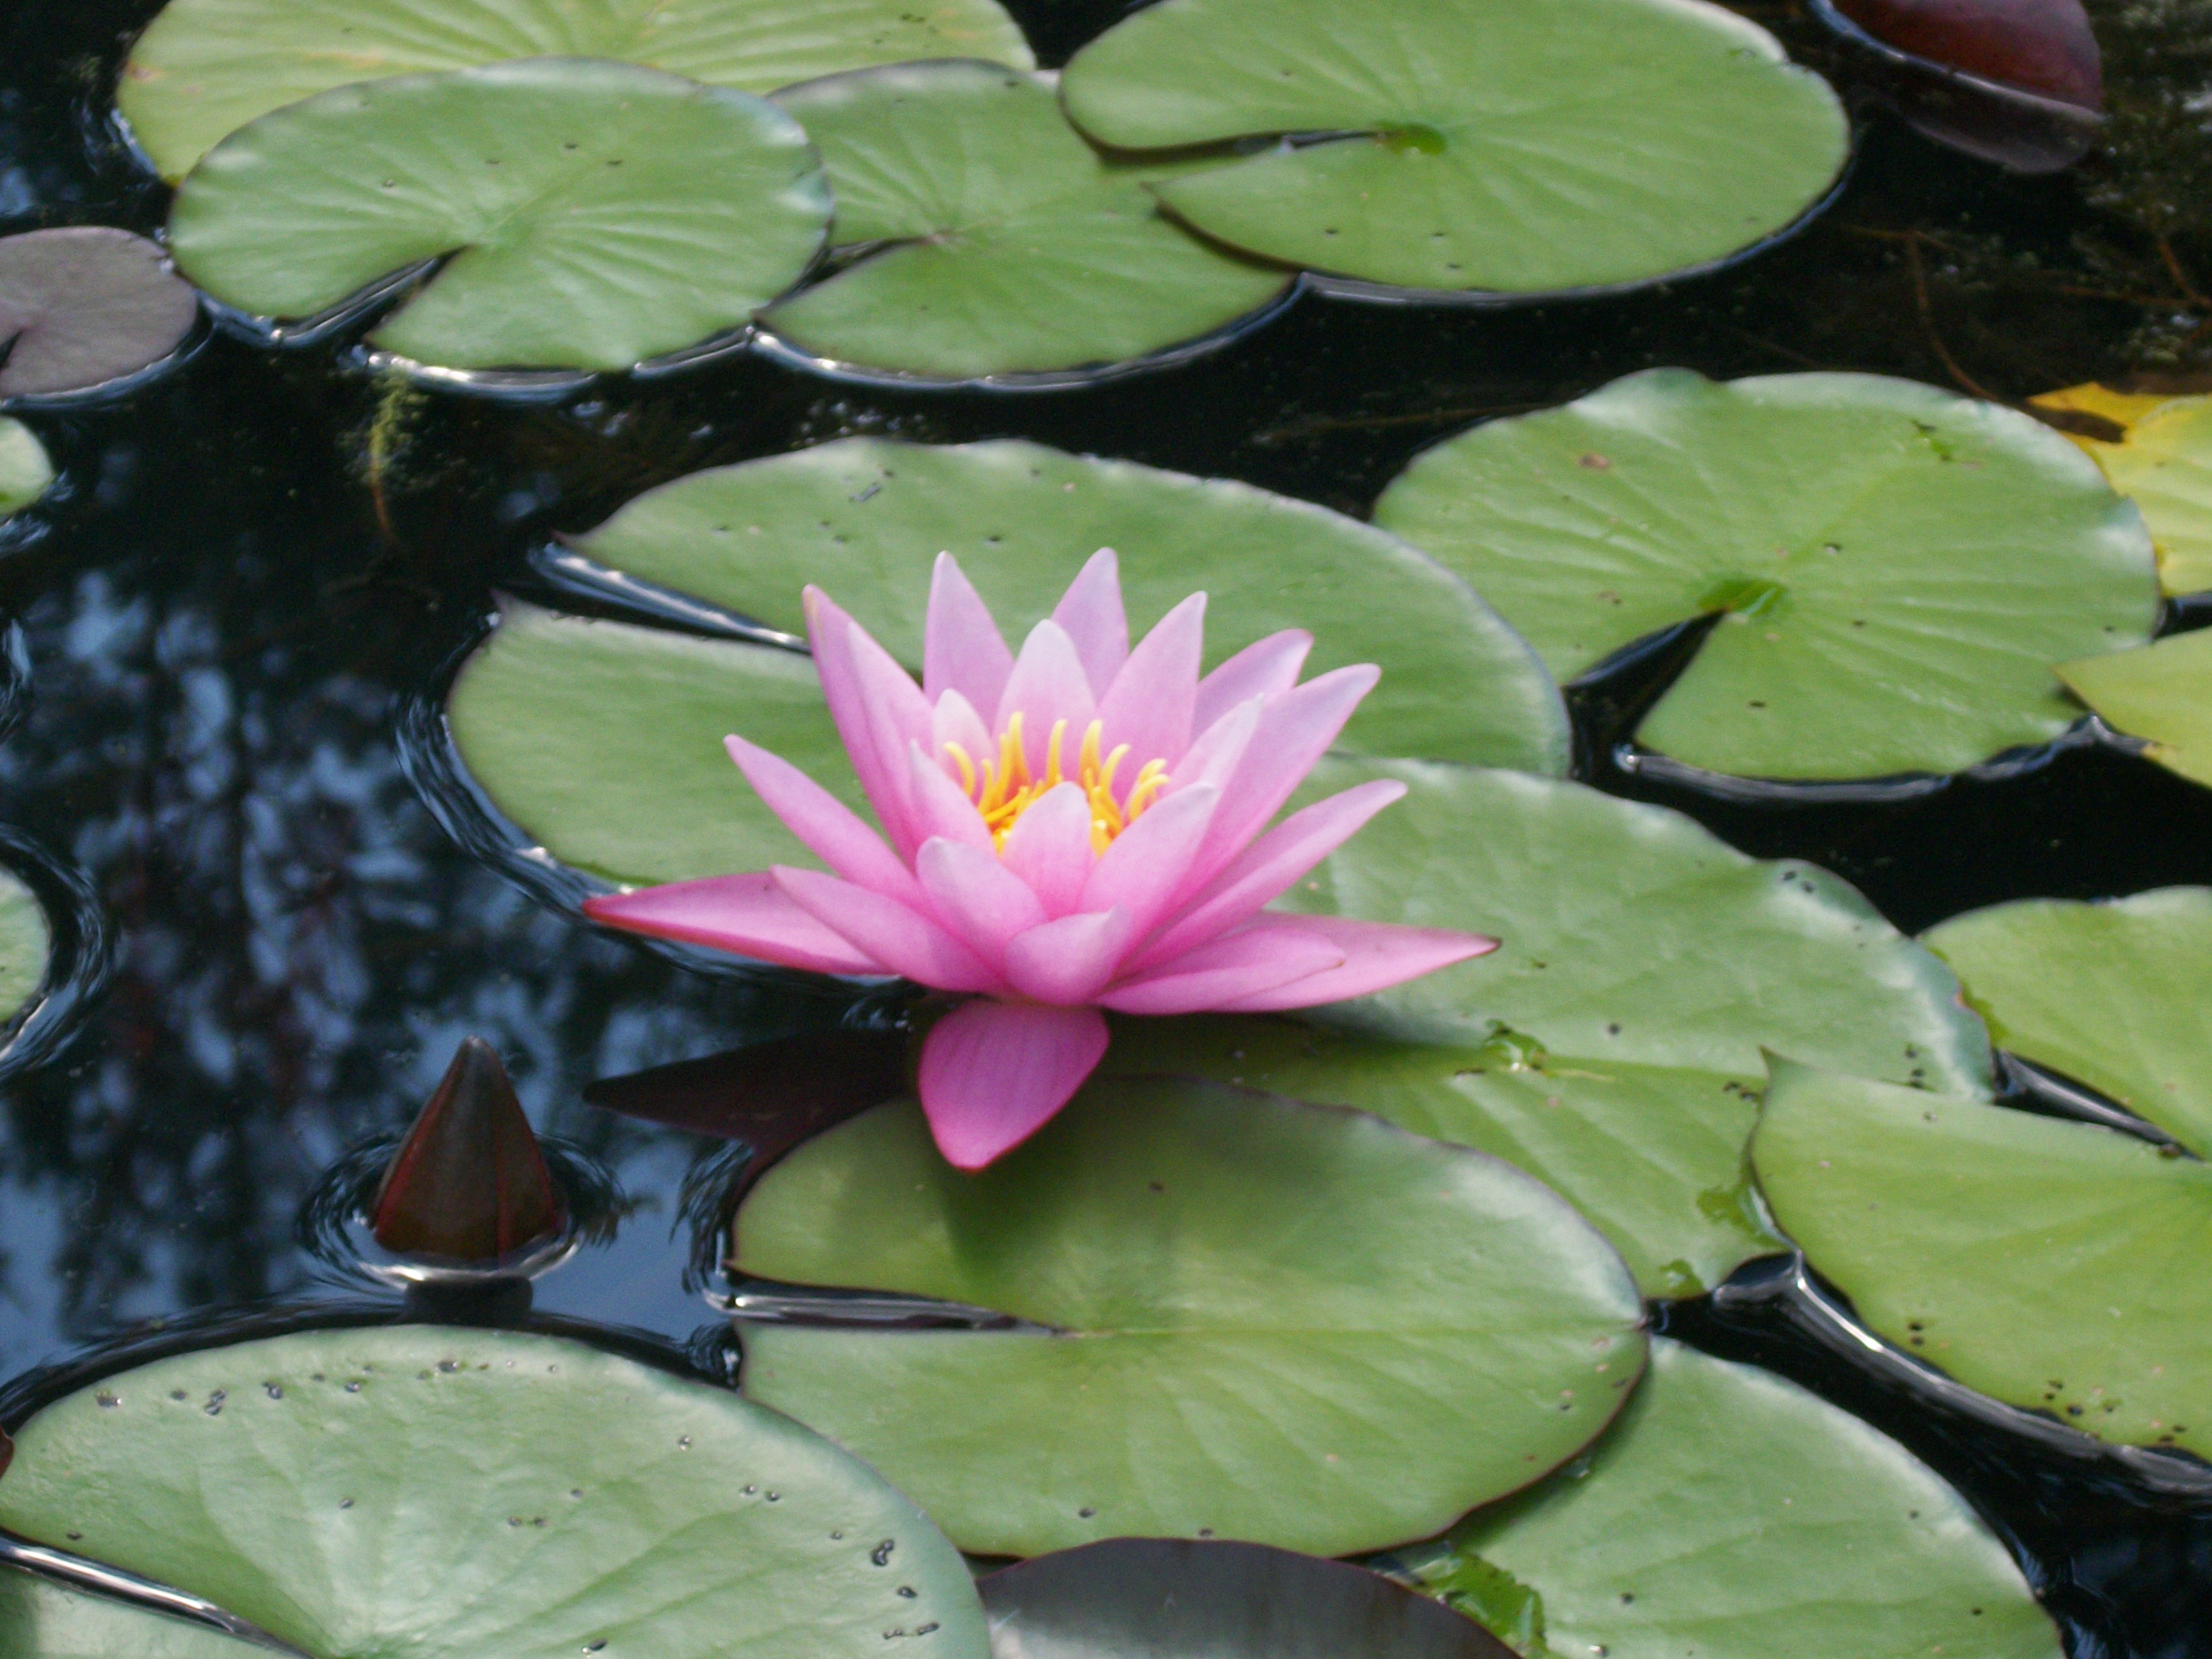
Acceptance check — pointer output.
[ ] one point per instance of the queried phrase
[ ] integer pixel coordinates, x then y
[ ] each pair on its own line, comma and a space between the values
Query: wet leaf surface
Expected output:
2050, 1264
43, 1620
2161, 692
520, 1495
598, 214
1612, 1046
1470, 144
1013, 247
1160, 1598
1809, 1526
1277, 1322
205, 68
1894, 568
2109, 995
84, 305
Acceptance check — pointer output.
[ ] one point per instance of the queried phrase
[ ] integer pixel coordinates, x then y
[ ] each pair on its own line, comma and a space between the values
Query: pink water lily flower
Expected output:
1076, 829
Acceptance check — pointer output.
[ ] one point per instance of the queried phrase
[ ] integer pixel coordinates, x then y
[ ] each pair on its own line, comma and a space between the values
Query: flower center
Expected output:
1004, 789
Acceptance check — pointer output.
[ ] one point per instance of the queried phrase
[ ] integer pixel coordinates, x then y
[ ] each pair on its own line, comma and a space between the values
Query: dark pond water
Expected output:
216, 619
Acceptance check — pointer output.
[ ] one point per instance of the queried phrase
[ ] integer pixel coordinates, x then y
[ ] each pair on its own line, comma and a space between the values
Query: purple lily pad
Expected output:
2042, 46
86, 305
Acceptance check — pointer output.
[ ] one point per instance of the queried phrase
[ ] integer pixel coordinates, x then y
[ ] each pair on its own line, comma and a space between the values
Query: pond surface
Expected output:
217, 620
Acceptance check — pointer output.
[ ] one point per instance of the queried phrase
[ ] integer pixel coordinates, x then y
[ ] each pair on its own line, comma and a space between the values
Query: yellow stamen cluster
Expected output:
1004, 790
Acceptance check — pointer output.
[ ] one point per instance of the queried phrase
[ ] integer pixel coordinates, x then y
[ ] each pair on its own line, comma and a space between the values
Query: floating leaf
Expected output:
605, 740
2050, 1264
1179, 1598
469, 1182
771, 1095
40, 1620
1727, 1508
2161, 693
1462, 144
1894, 568
1276, 1321
2044, 46
1611, 1046
26, 474
205, 68
446, 1492
85, 304
598, 214
2109, 995
2163, 463
863, 518
1013, 247
25, 945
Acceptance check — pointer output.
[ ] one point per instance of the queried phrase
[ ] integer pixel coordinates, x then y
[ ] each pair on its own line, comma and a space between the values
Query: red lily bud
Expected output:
469, 1181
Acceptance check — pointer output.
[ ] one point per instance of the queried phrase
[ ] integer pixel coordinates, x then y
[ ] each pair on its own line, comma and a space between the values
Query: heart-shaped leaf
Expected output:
446, 1492
1611, 1046
598, 214
2161, 693
205, 68
1725, 1511
1010, 247
26, 474
1470, 144
2053, 1265
1893, 569
2162, 462
85, 304
1269, 1320
1181, 1598
40, 1620
2109, 995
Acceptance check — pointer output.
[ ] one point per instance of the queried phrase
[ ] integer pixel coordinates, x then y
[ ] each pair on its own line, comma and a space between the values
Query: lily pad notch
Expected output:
88, 312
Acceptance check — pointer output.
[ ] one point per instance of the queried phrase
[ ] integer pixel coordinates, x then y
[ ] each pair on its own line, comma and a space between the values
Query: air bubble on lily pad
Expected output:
203, 69
993, 243
588, 215
1890, 569
87, 310
1466, 147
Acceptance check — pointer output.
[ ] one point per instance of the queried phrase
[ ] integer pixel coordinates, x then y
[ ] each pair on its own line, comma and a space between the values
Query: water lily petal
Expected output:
1070, 960
879, 711
1256, 958
992, 1074
1050, 848
1377, 955
1149, 705
954, 721
1295, 730
1149, 862
977, 897
937, 806
832, 831
1219, 750
1090, 611
905, 941
1266, 668
1269, 866
962, 649
1047, 684
748, 916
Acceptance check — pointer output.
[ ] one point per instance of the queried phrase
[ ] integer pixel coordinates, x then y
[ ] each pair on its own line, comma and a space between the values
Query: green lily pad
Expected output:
605, 740
1270, 1321
1612, 1046
25, 944
39, 1619
2163, 463
864, 517
599, 214
2161, 693
1010, 247
1894, 568
26, 474
1725, 1511
2053, 1265
2109, 995
1471, 144
439, 1490
205, 68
